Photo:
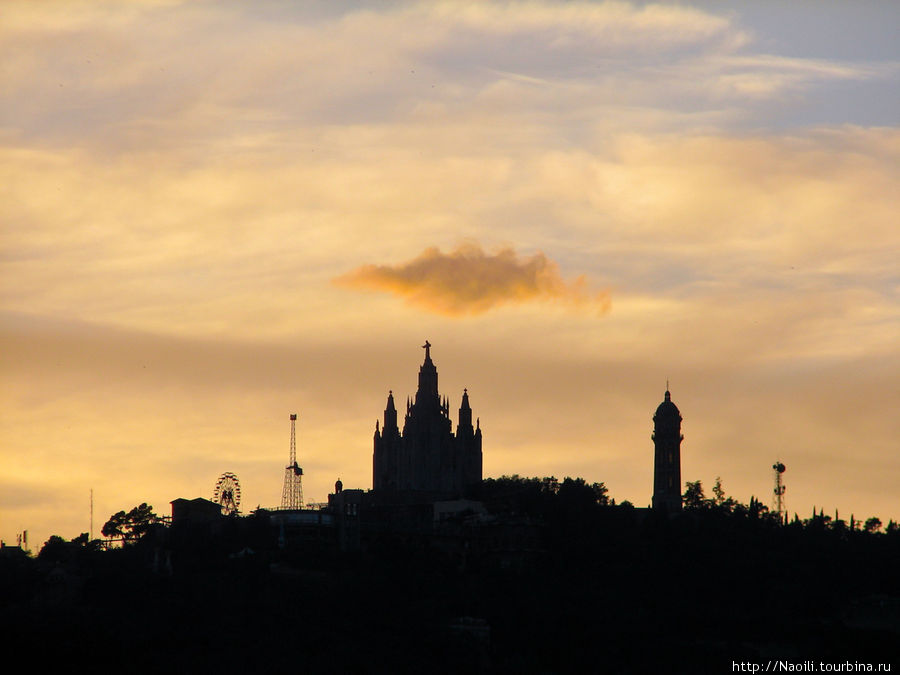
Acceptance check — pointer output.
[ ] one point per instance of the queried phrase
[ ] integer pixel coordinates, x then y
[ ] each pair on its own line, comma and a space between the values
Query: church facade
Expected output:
667, 439
427, 456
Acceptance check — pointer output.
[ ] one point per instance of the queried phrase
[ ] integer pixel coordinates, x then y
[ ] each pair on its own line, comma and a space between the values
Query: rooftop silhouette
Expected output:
427, 456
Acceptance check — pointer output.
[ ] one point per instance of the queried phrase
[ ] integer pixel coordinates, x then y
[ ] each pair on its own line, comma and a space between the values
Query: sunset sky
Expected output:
215, 214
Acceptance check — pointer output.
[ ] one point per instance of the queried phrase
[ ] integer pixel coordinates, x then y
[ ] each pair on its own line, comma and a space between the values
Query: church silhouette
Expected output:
427, 456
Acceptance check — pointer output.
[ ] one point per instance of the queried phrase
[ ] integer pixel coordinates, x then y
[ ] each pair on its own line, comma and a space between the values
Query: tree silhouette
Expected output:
719, 491
578, 491
693, 497
57, 549
115, 526
873, 524
54, 549
130, 526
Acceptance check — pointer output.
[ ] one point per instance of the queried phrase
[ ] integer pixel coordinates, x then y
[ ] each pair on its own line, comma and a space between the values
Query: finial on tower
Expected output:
427, 348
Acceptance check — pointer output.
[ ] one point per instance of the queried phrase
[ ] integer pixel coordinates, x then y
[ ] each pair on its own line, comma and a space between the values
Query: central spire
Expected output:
427, 394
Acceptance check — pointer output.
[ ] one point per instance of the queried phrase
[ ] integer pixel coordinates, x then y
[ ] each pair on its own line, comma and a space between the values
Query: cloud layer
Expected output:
469, 281
181, 182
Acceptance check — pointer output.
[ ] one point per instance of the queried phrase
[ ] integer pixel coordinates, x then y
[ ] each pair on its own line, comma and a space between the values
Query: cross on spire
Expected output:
427, 348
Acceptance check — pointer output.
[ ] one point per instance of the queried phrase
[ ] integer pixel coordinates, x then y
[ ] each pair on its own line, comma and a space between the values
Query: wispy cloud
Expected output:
184, 176
71, 79
470, 281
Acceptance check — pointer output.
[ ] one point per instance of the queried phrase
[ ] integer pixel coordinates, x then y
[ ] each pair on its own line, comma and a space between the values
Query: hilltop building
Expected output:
427, 457
667, 456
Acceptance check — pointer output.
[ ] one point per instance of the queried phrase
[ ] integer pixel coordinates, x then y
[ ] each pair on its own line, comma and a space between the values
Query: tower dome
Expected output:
667, 408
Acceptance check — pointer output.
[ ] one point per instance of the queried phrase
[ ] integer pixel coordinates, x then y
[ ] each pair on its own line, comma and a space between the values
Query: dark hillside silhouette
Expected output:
555, 579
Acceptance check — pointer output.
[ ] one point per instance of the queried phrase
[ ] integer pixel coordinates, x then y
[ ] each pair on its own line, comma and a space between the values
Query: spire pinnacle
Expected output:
427, 392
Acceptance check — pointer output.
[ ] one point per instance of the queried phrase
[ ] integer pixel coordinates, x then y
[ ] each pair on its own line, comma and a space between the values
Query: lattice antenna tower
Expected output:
778, 493
292, 494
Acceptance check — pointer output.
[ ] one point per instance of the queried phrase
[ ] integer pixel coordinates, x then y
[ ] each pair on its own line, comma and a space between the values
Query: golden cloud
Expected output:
469, 281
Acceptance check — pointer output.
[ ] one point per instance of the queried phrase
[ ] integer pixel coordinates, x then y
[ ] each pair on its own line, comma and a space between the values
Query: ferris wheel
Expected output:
228, 493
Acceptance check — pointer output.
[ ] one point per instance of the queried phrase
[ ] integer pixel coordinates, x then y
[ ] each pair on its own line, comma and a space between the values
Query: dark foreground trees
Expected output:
696, 502
540, 497
599, 588
57, 550
130, 526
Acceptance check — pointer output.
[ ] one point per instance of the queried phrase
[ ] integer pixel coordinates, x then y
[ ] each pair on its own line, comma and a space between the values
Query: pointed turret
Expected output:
387, 443
465, 415
390, 414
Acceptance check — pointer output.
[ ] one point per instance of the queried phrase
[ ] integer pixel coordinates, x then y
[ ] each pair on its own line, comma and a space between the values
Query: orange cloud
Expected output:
469, 281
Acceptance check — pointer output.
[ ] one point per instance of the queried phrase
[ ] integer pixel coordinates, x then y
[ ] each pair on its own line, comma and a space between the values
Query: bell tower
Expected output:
667, 456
